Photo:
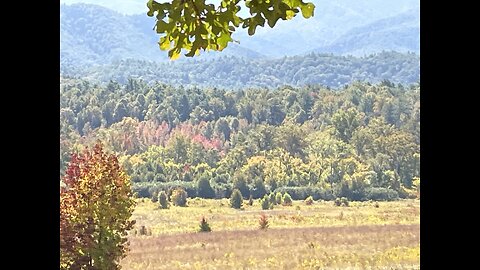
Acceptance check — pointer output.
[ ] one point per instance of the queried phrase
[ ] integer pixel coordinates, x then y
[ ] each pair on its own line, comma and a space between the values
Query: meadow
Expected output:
364, 235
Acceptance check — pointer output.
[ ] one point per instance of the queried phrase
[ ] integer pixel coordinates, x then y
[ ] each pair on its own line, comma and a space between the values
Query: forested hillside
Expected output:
95, 34
360, 142
236, 72
400, 33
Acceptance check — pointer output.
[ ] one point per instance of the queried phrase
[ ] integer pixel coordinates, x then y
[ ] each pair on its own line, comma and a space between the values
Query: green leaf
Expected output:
307, 10
164, 43
290, 14
223, 41
174, 54
162, 26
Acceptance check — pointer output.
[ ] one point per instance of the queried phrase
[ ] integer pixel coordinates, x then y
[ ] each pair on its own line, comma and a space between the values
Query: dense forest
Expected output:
236, 72
360, 142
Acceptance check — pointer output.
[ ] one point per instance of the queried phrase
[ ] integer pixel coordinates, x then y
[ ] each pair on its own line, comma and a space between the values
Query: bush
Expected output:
287, 200
222, 190
263, 222
163, 200
204, 189
344, 201
146, 190
240, 183
337, 202
236, 200
272, 199
309, 200
301, 193
179, 197
265, 202
278, 198
258, 190
381, 194
204, 226
154, 197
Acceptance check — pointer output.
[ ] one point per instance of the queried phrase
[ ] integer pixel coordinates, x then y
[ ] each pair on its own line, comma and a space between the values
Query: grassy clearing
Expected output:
321, 214
320, 236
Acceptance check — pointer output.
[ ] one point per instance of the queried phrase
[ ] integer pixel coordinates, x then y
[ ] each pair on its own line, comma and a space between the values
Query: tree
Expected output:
204, 189
236, 200
96, 204
194, 25
179, 197
204, 226
163, 200
287, 200
263, 222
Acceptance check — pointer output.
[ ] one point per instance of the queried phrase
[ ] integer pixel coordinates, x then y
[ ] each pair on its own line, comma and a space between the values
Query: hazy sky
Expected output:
140, 6
123, 6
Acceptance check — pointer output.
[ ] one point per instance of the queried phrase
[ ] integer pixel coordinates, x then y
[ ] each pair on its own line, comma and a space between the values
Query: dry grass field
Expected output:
318, 236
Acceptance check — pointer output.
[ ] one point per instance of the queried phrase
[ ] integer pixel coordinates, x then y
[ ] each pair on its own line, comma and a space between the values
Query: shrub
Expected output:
163, 200
344, 201
271, 197
250, 200
265, 202
309, 200
337, 202
381, 194
278, 198
222, 190
154, 197
236, 200
145, 190
204, 189
263, 222
376, 205
240, 183
301, 193
179, 197
204, 226
287, 200
258, 190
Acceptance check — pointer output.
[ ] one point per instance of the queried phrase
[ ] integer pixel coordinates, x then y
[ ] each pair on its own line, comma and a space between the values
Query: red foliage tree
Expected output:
96, 205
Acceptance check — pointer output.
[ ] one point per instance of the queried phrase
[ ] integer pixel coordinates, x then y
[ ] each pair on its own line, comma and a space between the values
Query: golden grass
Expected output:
320, 236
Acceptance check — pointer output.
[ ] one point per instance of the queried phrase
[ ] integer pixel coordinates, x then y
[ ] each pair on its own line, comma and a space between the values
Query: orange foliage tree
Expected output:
96, 205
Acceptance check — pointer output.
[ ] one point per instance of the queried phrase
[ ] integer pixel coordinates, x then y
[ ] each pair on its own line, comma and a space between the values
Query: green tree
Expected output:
194, 25
287, 200
204, 226
163, 200
96, 204
204, 189
265, 202
179, 197
236, 200
240, 183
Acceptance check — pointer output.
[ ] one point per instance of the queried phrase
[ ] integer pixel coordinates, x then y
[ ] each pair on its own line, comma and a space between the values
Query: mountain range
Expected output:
96, 35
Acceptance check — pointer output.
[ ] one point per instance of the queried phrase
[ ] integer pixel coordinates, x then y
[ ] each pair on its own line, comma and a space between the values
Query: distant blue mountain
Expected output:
399, 33
95, 35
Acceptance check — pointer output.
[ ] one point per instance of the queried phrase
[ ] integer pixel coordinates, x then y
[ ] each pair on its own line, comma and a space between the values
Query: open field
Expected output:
320, 236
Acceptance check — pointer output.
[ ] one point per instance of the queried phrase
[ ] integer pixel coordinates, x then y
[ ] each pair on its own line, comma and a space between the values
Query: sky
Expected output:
124, 6
140, 6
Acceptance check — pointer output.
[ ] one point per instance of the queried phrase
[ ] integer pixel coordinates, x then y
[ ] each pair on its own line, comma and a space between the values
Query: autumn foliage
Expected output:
96, 204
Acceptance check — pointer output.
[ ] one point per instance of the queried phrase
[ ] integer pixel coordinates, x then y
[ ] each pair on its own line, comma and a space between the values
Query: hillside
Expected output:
325, 69
92, 34
399, 33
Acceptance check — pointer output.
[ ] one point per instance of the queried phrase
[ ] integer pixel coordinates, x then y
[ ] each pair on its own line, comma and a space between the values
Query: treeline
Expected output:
360, 142
236, 72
